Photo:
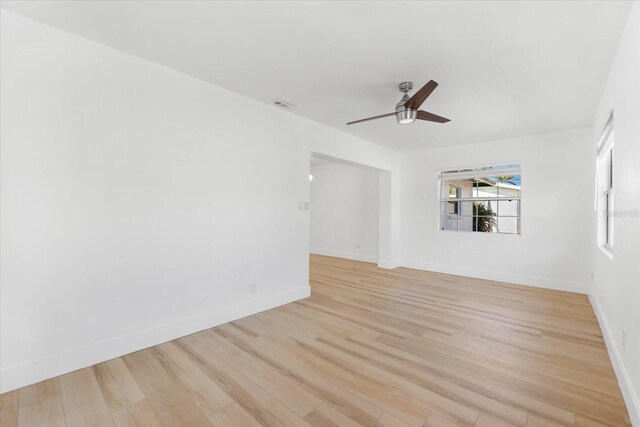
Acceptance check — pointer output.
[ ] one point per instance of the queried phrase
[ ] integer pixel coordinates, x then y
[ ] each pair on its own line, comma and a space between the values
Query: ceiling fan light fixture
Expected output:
405, 116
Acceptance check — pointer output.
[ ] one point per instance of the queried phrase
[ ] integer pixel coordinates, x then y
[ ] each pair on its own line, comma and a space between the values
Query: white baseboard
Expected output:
631, 398
24, 374
343, 254
388, 265
521, 279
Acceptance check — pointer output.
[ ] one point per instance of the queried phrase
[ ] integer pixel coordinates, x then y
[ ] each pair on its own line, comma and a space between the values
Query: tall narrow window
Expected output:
605, 188
481, 199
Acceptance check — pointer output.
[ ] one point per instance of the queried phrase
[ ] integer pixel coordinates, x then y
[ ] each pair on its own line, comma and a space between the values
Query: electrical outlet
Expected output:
252, 288
624, 339
592, 276
358, 246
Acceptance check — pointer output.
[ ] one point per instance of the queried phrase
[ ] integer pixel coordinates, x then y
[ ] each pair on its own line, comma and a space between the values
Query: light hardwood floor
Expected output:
370, 347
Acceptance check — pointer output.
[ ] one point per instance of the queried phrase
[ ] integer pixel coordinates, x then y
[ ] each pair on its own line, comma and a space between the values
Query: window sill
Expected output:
493, 233
608, 250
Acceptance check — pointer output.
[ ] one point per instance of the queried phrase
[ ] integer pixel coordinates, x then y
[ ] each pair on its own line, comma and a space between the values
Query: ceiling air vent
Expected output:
283, 104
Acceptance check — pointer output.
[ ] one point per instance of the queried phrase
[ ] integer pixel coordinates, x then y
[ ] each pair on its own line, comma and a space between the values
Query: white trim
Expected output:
631, 398
24, 374
388, 264
343, 254
606, 145
479, 166
478, 173
606, 139
482, 199
607, 249
520, 279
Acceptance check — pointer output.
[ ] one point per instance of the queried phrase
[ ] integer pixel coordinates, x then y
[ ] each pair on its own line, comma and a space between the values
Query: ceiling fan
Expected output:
407, 109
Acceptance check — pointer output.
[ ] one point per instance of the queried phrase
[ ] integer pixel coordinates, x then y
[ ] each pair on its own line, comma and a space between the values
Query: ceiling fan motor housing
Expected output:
405, 115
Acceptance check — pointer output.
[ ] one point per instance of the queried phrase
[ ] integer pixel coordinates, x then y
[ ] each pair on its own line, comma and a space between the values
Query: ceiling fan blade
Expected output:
371, 118
430, 117
419, 97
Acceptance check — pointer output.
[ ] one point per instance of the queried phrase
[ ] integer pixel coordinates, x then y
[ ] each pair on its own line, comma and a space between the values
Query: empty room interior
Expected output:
320, 213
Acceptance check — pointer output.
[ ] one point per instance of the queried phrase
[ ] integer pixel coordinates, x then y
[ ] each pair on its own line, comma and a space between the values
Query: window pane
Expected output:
448, 187
465, 208
483, 187
484, 207
508, 207
465, 223
449, 222
453, 208
508, 186
611, 168
608, 170
508, 225
609, 214
484, 224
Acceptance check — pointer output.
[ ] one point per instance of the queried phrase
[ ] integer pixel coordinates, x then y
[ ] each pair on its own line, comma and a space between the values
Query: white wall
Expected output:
552, 250
615, 292
344, 211
136, 206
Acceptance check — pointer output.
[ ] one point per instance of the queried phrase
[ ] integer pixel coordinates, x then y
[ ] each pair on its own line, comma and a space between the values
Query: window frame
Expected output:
484, 171
605, 198
609, 199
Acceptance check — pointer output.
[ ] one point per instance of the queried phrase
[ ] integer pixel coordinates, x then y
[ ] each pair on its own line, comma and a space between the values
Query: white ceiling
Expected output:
504, 68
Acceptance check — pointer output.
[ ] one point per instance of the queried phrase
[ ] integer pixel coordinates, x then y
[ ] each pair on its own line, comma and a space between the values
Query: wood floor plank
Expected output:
485, 420
39, 392
327, 416
403, 399
90, 414
201, 390
233, 415
117, 384
9, 409
41, 405
78, 388
340, 399
280, 386
138, 414
535, 421
287, 416
436, 420
167, 398
388, 420
444, 384
370, 347
363, 385
490, 383
244, 391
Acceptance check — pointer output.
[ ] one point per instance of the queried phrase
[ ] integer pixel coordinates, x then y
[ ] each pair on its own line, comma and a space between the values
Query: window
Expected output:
482, 199
605, 188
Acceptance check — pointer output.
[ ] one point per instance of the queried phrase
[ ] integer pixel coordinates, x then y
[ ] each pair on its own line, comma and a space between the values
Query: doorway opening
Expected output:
344, 217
